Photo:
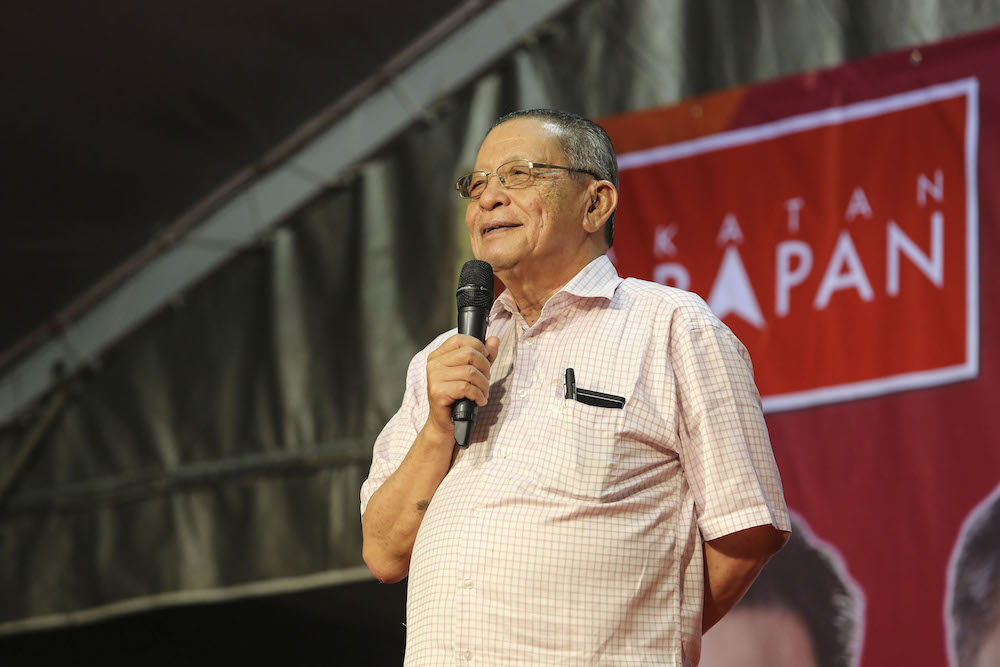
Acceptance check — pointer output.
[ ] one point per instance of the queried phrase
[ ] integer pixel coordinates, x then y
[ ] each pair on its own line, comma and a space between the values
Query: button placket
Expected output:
466, 602
527, 365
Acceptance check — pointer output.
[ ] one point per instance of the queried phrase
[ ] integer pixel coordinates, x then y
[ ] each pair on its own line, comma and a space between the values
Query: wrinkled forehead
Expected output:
520, 138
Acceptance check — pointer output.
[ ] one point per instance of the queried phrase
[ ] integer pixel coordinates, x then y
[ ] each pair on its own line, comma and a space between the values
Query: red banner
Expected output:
835, 221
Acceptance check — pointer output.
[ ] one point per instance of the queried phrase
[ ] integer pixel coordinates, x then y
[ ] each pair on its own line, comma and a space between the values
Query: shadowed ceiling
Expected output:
117, 116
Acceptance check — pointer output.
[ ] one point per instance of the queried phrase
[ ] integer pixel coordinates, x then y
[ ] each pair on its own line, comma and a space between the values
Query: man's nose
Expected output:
494, 195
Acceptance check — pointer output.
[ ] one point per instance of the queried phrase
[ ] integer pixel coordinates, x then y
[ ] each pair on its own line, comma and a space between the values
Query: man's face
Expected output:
758, 637
526, 231
989, 652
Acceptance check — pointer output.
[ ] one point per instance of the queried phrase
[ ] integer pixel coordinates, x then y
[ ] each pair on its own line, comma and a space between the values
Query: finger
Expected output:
469, 374
458, 341
481, 362
465, 356
492, 348
447, 392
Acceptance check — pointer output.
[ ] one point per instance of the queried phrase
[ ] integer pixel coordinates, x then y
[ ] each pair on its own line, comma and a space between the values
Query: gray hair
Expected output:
584, 143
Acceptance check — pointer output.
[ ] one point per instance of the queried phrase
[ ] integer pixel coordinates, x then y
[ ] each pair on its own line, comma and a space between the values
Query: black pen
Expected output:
570, 384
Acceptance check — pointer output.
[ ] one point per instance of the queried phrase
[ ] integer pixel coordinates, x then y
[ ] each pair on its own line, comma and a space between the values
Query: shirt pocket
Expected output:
584, 452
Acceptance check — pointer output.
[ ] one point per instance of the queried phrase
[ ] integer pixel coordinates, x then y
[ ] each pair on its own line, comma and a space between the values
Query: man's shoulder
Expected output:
671, 302
419, 360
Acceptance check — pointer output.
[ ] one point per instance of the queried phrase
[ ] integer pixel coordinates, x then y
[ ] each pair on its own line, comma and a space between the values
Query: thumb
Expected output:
492, 347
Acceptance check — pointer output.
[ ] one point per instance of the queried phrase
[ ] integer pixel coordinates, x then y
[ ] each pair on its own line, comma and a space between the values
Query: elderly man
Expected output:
611, 521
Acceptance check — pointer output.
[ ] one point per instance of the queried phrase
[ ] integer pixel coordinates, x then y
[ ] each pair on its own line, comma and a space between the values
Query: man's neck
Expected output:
531, 292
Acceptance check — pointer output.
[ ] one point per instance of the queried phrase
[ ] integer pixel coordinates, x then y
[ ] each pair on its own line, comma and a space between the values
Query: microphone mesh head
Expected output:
479, 275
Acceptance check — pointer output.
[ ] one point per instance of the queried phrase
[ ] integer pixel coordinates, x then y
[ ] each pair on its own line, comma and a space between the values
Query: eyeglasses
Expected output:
513, 174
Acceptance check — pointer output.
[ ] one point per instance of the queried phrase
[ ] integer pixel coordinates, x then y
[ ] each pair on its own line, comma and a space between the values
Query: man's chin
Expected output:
498, 260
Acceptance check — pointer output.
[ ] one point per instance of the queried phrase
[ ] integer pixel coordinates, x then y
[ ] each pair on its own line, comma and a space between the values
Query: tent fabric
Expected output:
123, 116
223, 444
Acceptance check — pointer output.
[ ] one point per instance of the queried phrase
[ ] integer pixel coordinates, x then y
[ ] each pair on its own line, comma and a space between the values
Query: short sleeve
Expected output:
401, 430
725, 449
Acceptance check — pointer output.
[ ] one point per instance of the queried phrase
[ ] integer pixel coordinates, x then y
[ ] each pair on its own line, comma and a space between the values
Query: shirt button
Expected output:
467, 656
468, 583
522, 393
477, 511
505, 452
530, 342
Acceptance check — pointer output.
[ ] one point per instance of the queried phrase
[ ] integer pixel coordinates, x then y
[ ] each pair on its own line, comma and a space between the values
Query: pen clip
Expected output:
570, 384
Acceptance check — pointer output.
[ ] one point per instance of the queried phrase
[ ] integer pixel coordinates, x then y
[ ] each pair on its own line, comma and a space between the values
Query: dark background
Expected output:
349, 624
118, 116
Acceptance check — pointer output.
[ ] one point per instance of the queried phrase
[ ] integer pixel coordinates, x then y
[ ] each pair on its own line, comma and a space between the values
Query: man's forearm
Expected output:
394, 512
731, 565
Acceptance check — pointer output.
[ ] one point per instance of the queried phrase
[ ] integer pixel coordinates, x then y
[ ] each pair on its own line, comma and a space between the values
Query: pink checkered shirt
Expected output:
572, 534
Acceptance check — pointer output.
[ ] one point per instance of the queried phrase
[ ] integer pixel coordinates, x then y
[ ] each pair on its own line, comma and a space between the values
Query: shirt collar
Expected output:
599, 279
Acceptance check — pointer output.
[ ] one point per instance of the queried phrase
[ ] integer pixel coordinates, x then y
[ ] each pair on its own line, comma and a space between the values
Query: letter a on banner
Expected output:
858, 206
834, 279
730, 230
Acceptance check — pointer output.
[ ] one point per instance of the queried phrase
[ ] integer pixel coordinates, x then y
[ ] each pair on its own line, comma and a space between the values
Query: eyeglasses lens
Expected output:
514, 174
510, 175
477, 184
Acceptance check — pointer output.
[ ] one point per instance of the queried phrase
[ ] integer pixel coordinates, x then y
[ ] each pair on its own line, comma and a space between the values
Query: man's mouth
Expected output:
494, 226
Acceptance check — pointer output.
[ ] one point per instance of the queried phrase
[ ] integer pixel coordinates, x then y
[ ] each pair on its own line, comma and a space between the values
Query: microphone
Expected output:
474, 296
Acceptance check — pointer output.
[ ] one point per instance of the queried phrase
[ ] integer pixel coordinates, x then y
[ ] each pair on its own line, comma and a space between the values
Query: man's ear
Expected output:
603, 202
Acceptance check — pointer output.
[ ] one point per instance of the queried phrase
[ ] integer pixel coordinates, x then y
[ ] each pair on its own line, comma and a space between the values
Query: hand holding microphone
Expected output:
474, 296
458, 372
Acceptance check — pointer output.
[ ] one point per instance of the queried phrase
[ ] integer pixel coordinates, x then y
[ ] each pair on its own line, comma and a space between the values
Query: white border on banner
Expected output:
968, 87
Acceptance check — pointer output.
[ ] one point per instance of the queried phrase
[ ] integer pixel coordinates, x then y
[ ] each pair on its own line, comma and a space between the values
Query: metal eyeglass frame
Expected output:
462, 185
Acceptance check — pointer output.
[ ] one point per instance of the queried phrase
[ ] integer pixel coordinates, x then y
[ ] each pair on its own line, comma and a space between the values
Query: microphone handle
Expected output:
471, 321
